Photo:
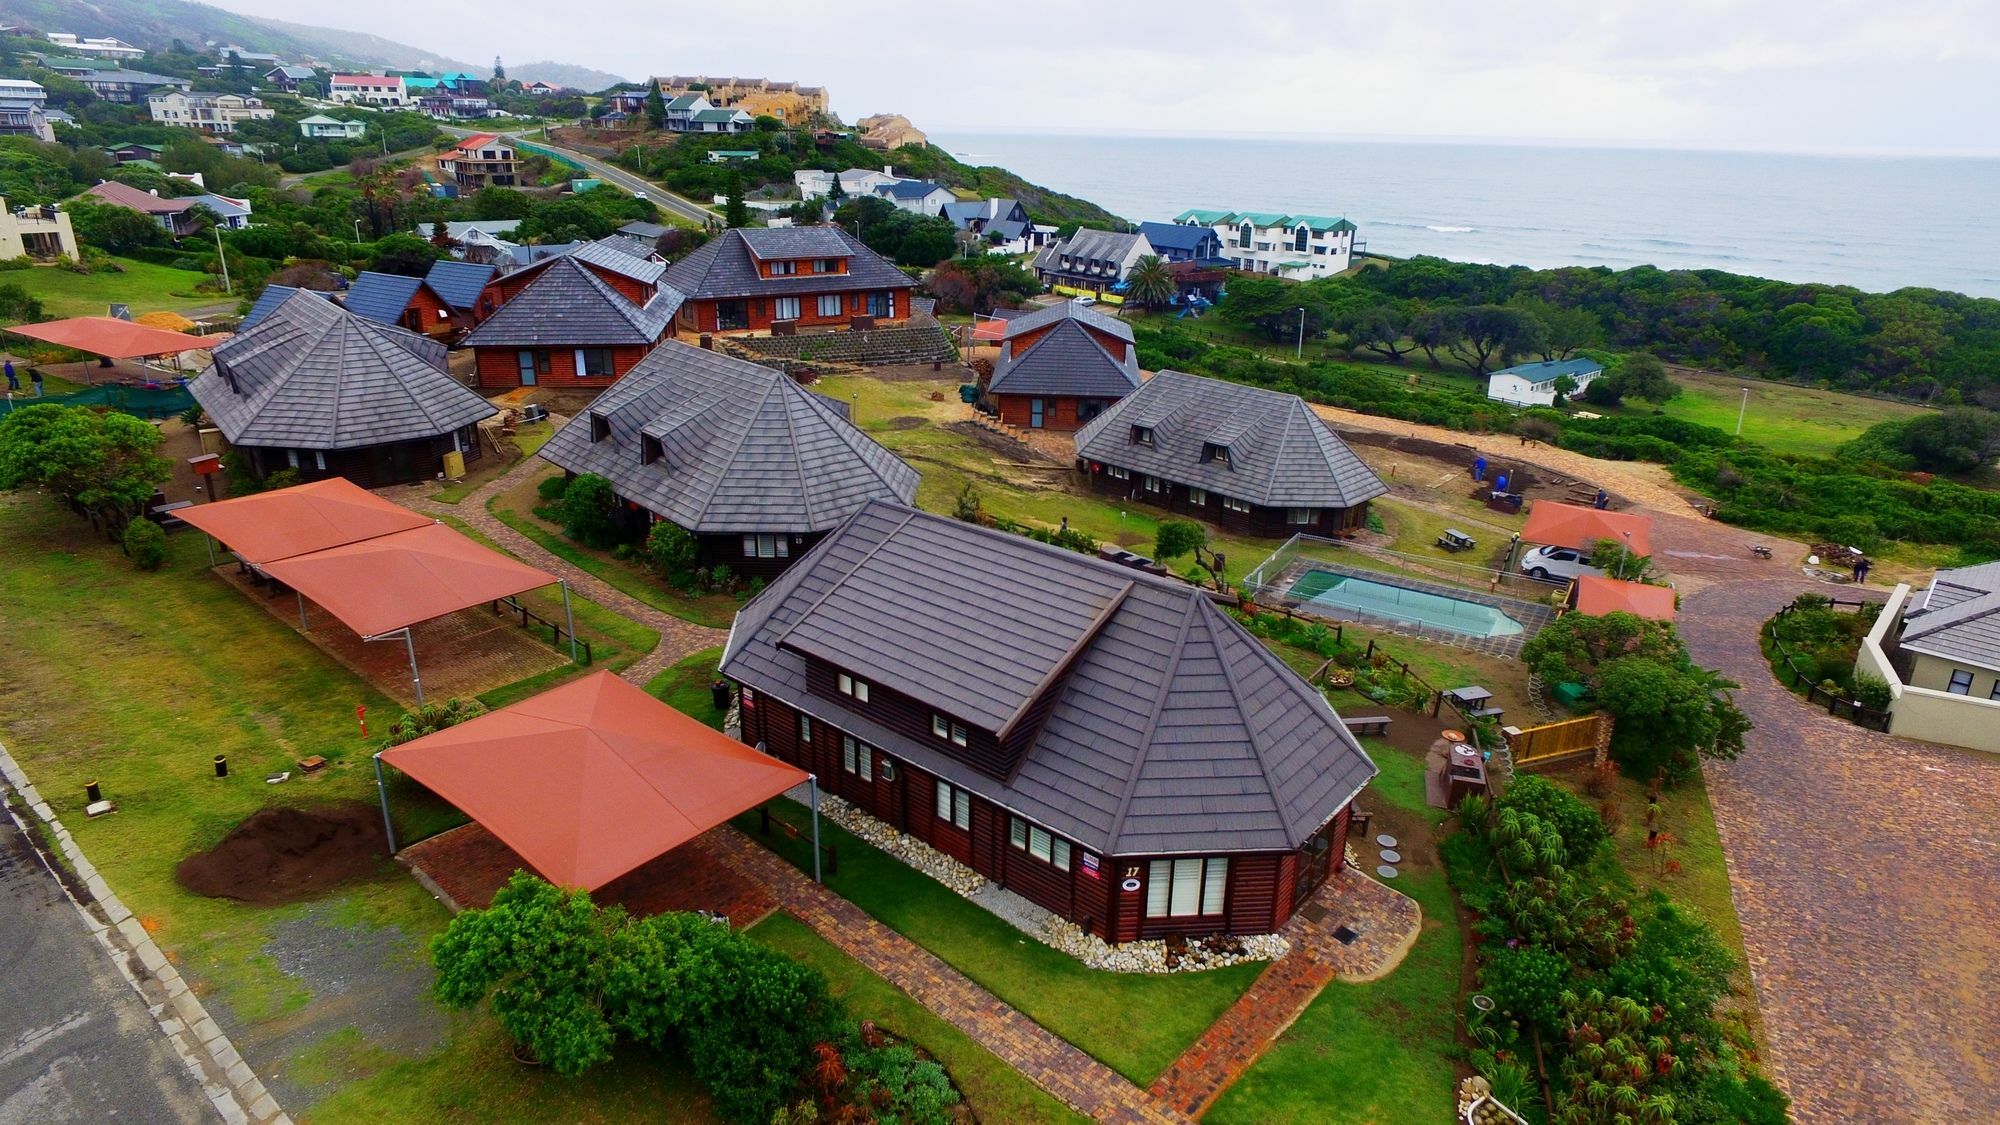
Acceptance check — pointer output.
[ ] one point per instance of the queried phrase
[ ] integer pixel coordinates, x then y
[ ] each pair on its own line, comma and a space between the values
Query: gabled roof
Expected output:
313, 376
294, 72
125, 195
1171, 730
1204, 218
907, 189
1281, 454
1022, 323
725, 266
687, 101
569, 305
624, 257
1098, 245
741, 447
644, 230
1065, 361
1541, 371
1958, 616
458, 284
720, 115
270, 299
381, 297
1176, 236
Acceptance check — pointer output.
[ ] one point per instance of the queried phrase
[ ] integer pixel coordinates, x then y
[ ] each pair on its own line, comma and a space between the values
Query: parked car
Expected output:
1549, 564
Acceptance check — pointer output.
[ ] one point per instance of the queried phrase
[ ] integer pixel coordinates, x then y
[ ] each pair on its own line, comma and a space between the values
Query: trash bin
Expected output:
719, 694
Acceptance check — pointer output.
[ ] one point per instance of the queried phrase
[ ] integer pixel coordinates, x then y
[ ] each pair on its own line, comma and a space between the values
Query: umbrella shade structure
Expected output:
110, 337
590, 780
166, 321
269, 526
377, 586
1570, 525
1598, 596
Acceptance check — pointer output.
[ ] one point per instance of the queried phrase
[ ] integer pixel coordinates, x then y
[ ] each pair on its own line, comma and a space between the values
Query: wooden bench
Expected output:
1489, 712
1367, 724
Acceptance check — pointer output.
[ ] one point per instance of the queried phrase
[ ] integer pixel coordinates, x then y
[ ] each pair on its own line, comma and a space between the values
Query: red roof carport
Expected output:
110, 337
1569, 525
592, 779
1598, 596
267, 526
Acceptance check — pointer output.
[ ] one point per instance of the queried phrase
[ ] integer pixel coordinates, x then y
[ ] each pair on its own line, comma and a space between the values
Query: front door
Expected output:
1035, 413
525, 358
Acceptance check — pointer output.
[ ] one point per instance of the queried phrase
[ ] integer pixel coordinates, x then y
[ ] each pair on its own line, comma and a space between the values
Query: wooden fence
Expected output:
1562, 741
1792, 676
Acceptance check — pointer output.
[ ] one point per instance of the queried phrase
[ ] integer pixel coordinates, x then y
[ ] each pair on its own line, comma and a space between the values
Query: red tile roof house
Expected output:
748, 280
1110, 745
565, 323
171, 214
1062, 366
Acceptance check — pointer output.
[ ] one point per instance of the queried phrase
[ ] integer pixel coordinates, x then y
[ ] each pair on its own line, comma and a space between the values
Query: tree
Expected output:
1487, 333
1565, 387
1150, 283
237, 71
586, 511
1434, 328
925, 242
104, 463
656, 108
113, 229
145, 544
1957, 440
18, 306
835, 191
1667, 714
735, 213
1642, 375
672, 548
1378, 328
1567, 328
404, 254
499, 71
979, 285
1273, 305
1177, 538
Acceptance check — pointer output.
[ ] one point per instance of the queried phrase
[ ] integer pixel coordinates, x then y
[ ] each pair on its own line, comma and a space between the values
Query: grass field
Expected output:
685, 686
1783, 417
143, 285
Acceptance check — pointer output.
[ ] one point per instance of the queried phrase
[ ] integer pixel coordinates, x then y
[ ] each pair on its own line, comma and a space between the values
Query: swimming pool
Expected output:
1337, 592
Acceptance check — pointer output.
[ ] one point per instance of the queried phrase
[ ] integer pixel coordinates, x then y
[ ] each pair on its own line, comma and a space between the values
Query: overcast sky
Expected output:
1827, 75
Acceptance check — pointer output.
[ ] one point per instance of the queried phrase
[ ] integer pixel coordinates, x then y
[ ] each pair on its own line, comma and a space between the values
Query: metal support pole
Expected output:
382, 791
303, 627
813, 781
569, 619
1741, 411
410, 644
210, 541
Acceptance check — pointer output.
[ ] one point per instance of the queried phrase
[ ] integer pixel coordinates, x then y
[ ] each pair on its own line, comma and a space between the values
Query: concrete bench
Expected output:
1367, 724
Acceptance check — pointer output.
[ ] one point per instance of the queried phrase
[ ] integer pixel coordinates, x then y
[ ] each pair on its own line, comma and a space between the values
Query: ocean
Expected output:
1877, 223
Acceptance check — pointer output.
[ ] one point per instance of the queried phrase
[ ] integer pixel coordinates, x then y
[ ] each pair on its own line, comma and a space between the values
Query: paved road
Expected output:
618, 177
1863, 868
76, 1042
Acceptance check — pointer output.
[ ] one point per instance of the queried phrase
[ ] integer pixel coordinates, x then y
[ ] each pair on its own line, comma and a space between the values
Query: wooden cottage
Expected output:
1110, 745
1062, 366
1249, 460
313, 387
757, 279
451, 299
569, 325
756, 466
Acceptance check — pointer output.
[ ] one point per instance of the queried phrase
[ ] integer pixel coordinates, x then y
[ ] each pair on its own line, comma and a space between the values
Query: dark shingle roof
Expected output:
1177, 236
1068, 310
907, 189
647, 231
271, 298
724, 267
622, 256
381, 297
1280, 453
311, 375
459, 284
743, 447
1066, 361
1958, 616
569, 305
1171, 731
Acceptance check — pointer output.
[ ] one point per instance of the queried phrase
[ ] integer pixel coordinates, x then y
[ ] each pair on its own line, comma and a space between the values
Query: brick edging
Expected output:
228, 1082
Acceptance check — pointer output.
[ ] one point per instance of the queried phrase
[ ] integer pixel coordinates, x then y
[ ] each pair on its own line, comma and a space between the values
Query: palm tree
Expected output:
1149, 283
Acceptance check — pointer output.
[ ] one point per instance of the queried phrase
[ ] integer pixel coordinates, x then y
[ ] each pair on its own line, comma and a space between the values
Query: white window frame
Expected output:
1197, 497
761, 545
1232, 504
784, 269
1191, 887
849, 686
1116, 473
948, 730
805, 727
1153, 484
830, 304
857, 757
786, 308
954, 805
1301, 517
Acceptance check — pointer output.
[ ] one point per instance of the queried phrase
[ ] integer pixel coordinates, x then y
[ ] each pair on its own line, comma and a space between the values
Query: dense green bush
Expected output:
1581, 828
587, 511
145, 544
552, 488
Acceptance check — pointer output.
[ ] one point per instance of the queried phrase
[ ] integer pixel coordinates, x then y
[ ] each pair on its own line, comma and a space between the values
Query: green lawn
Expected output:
685, 686
143, 285
1136, 1023
993, 1090
528, 438
1781, 416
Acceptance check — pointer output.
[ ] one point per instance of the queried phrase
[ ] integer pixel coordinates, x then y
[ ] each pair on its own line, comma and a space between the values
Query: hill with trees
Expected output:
156, 23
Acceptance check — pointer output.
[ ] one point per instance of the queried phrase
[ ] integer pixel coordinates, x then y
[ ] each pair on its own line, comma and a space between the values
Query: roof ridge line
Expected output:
1062, 663
908, 515
1146, 733
377, 343
791, 437
1250, 732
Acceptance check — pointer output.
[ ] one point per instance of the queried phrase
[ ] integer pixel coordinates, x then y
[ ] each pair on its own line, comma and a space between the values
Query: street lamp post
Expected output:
1301, 352
222, 259
357, 232
1741, 410
1623, 551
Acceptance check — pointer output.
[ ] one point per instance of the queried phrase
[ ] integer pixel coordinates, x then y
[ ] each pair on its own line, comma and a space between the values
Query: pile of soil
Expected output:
288, 853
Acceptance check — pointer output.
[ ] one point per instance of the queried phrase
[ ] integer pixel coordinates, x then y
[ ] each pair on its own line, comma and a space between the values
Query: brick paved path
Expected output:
1081, 1082
1866, 870
1387, 922
678, 638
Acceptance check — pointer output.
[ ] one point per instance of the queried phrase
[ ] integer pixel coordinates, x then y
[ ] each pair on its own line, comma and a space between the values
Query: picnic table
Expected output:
1471, 695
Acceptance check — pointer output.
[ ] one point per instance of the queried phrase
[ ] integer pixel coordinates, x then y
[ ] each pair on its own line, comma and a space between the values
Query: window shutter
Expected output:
1215, 886
1158, 877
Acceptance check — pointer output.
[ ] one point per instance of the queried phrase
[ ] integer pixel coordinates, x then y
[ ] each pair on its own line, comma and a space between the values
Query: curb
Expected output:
230, 1085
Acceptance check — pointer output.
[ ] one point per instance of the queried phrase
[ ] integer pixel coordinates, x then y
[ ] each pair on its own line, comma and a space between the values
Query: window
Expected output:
1299, 239
767, 547
1142, 435
594, 362
829, 304
954, 805
857, 758
947, 729
856, 688
1301, 515
1231, 504
1116, 473
826, 265
1244, 234
650, 449
784, 269
882, 304
1153, 484
1198, 497
1211, 451
1040, 843
1179, 888
1961, 682
787, 308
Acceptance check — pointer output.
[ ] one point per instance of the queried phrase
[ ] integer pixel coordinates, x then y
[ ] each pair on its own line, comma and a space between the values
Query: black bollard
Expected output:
718, 693
92, 792
221, 766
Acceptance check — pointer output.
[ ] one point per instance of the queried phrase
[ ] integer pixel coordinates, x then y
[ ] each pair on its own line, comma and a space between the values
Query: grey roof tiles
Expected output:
726, 267
311, 375
1024, 323
622, 256
1280, 454
1172, 731
741, 447
381, 297
1067, 360
459, 284
1958, 616
570, 306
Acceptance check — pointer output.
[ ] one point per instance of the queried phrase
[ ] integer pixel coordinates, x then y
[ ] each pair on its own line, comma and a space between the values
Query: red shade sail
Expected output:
1599, 596
380, 585
301, 519
111, 337
1569, 525
592, 779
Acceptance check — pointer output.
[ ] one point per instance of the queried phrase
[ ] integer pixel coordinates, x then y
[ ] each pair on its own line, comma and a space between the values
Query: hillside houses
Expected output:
1062, 366
1300, 247
214, 113
564, 323
1090, 262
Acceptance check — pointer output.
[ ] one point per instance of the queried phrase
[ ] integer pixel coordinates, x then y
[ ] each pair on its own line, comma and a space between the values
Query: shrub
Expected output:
586, 511
672, 548
1581, 828
900, 1087
146, 543
1527, 982
1177, 538
552, 488
721, 578
283, 478
1872, 691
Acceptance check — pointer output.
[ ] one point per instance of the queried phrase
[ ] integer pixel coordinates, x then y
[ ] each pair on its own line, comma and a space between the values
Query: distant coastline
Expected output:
1874, 223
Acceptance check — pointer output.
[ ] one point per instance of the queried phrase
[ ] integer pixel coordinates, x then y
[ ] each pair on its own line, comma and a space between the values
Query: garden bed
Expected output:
1812, 645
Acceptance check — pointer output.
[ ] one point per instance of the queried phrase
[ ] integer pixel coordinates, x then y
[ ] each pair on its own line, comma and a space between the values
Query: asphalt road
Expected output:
619, 178
76, 1042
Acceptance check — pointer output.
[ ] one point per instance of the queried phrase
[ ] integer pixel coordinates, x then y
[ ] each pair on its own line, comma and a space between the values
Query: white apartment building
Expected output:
101, 48
369, 89
1299, 247
321, 127
814, 182
215, 113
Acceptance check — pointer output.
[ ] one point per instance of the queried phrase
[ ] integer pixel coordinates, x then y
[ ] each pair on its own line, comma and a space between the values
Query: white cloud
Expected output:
1839, 74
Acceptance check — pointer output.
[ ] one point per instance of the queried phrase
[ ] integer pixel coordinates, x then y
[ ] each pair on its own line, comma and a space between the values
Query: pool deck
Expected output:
1532, 616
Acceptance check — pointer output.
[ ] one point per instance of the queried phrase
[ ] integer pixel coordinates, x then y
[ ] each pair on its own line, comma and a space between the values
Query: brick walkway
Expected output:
1863, 868
1387, 923
678, 638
